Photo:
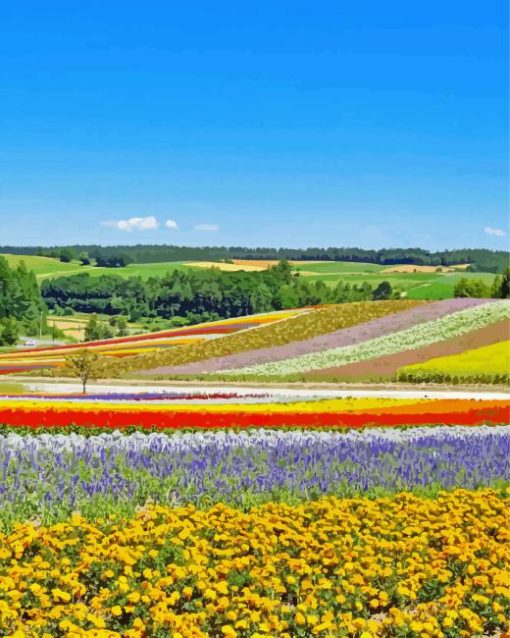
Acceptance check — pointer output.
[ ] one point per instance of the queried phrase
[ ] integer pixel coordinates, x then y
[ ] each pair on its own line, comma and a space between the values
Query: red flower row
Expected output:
49, 418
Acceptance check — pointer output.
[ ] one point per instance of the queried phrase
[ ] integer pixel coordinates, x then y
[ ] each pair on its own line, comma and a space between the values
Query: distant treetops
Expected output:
482, 259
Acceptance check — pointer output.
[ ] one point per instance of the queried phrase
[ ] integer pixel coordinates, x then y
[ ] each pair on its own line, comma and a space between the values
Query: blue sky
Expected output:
271, 123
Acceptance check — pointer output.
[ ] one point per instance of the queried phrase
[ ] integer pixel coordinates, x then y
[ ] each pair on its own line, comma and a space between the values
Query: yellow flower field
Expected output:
493, 359
392, 567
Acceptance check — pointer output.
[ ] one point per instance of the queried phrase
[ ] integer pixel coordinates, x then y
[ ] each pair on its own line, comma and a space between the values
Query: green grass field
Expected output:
140, 270
442, 286
338, 267
416, 285
46, 267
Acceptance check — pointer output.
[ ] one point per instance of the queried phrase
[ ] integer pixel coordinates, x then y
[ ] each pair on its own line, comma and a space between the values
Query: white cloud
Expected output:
171, 224
208, 228
498, 232
133, 223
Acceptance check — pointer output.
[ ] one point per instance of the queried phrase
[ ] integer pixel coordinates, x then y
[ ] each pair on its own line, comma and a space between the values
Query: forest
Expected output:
199, 295
21, 304
481, 260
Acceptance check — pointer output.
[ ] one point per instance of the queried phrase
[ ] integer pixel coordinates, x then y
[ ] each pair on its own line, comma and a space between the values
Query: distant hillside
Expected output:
479, 259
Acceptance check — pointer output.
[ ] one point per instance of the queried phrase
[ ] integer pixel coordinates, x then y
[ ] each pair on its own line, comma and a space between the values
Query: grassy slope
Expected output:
416, 285
46, 267
140, 270
442, 286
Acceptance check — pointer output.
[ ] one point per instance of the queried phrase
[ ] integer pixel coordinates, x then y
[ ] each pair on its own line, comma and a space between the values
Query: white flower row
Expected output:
422, 334
185, 442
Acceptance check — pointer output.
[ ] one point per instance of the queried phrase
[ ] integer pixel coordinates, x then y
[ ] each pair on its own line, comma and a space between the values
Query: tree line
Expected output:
199, 295
483, 260
500, 288
21, 304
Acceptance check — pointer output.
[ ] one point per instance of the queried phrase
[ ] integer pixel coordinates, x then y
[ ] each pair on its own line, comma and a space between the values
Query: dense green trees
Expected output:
477, 288
115, 261
479, 259
198, 295
21, 305
471, 288
383, 291
66, 255
501, 285
9, 331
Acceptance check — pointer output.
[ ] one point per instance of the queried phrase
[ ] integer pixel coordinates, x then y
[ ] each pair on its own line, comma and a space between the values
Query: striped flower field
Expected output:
253, 533
262, 512
364, 341
227, 412
43, 358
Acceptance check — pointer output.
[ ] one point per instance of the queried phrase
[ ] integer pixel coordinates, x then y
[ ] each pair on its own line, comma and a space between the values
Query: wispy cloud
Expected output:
133, 223
498, 232
208, 228
171, 224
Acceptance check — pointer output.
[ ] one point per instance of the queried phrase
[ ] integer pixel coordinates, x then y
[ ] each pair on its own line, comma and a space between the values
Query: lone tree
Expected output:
86, 365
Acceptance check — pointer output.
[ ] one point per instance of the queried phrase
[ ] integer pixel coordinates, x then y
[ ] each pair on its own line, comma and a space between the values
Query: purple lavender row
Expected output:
49, 476
344, 337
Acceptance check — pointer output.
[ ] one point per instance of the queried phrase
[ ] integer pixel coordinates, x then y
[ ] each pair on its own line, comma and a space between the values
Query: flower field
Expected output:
41, 358
367, 341
349, 343
190, 514
47, 412
355, 323
400, 566
301, 327
95, 473
423, 334
283, 512
469, 364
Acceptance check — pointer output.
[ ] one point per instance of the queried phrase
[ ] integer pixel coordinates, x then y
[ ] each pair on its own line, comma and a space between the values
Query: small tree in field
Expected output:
86, 365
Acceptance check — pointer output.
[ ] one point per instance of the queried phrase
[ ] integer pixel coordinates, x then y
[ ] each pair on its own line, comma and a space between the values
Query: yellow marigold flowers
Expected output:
60, 595
331, 568
300, 619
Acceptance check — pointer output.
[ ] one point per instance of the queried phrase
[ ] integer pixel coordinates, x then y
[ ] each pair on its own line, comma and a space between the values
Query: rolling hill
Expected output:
459, 340
415, 282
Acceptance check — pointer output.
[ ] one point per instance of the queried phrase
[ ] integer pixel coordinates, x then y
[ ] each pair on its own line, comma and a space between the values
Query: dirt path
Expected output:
392, 391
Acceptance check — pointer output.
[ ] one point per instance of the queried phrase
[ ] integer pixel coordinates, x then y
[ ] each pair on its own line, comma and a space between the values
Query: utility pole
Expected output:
40, 324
